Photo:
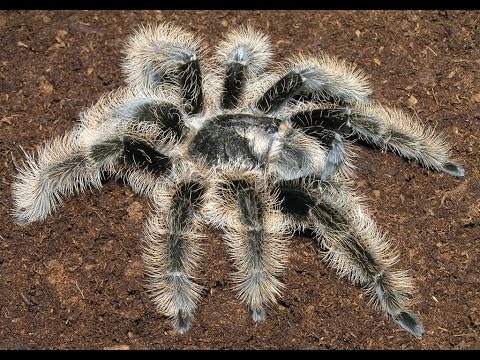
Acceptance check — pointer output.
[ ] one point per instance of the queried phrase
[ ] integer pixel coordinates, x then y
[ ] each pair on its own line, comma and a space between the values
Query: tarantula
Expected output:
232, 143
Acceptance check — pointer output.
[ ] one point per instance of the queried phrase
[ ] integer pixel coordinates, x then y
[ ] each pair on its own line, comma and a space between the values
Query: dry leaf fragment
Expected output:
412, 100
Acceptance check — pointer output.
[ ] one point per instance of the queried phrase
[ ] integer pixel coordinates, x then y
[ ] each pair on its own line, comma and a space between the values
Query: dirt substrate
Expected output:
76, 279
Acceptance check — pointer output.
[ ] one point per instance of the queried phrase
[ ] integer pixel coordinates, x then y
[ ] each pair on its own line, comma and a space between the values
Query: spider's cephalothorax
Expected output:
254, 151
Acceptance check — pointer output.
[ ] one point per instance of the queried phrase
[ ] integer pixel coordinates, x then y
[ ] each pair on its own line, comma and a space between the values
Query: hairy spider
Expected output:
254, 151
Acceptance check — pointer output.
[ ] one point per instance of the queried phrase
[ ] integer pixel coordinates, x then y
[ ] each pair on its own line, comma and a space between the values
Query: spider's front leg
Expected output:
353, 244
255, 237
127, 134
159, 54
172, 247
59, 168
321, 78
243, 56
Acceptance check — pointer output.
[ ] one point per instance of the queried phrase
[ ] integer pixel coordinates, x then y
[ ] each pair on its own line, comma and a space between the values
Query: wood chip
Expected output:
6, 119
85, 28
475, 98
22, 44
412, 100
135, 211
117, 347
452, 73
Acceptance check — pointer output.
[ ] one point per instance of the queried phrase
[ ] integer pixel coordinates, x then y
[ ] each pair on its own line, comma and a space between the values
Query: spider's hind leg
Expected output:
118, 136
77, 161
255, 238
351, 243
356, 249
172, 247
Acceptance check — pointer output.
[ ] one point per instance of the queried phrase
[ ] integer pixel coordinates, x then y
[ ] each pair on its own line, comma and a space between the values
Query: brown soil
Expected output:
76, 280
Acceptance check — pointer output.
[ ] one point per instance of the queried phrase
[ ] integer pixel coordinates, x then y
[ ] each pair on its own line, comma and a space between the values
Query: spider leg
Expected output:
144, 132
323, 78
243, 55
147, 128
172, 247
166, 54
384, 127
293, 155
255, 239
58, 169
125, 144
337, 154
331, 134
65, 165
353, 244
357, 249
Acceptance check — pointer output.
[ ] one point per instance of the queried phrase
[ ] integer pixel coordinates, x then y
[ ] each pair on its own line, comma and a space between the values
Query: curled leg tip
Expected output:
259, 314
182, 323
411, 323
23, 220
454, 169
